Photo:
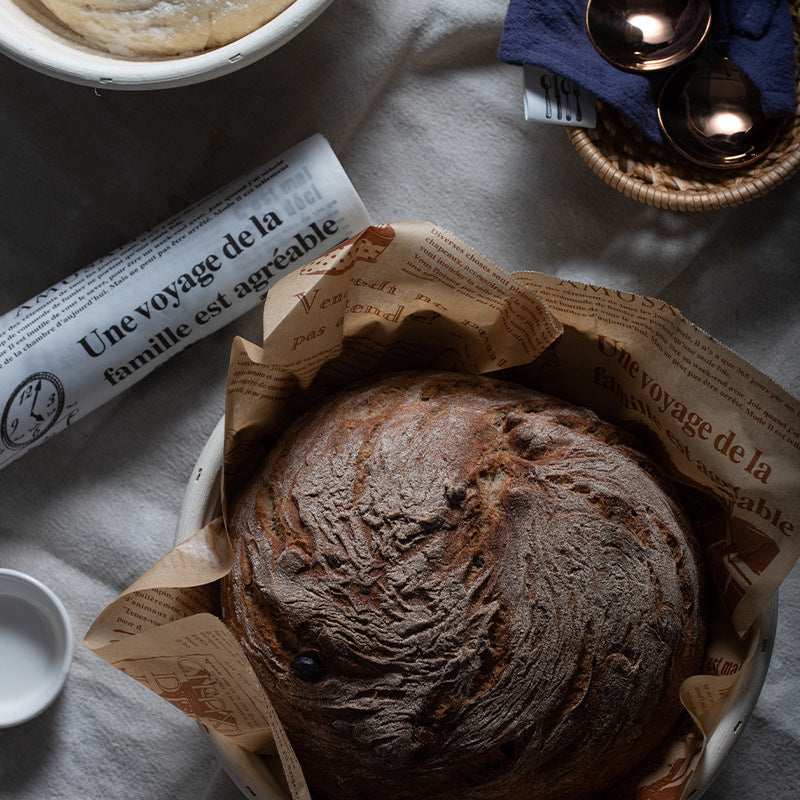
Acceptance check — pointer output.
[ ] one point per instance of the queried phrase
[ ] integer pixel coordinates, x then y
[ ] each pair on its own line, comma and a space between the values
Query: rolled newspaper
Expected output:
75, 346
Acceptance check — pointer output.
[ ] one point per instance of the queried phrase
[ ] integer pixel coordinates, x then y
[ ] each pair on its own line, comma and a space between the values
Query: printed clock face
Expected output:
32, 409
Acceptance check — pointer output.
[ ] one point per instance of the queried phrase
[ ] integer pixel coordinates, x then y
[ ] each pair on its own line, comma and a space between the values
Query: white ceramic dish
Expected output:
33, 37
35, 647
252, 775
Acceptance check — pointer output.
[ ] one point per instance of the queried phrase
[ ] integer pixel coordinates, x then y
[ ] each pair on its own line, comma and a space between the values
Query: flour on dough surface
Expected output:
163, 27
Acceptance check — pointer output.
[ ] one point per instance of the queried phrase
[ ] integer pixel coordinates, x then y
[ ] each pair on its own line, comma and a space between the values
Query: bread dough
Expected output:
163, 27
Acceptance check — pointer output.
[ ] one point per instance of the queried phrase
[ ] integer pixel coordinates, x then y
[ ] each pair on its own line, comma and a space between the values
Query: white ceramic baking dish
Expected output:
32, 36
253, 775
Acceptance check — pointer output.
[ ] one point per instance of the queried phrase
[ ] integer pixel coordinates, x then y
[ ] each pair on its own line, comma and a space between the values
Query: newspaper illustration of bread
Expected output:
367, 247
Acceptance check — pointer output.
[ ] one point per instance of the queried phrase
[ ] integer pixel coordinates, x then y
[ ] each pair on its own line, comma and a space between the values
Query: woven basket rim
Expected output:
717, 190
748, 188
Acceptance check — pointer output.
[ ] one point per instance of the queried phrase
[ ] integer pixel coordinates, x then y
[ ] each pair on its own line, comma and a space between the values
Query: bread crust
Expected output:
500, 594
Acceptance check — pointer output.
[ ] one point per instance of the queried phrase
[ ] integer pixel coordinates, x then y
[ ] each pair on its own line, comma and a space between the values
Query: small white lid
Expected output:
35, 647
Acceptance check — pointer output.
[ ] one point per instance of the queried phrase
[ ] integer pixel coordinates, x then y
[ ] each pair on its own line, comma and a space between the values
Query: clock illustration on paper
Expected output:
32, 409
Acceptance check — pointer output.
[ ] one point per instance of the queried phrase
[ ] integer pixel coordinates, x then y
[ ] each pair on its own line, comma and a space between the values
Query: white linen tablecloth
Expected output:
429, 126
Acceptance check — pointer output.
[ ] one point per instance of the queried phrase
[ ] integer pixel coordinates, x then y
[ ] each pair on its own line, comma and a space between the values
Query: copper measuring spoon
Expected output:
645, 35
708, 110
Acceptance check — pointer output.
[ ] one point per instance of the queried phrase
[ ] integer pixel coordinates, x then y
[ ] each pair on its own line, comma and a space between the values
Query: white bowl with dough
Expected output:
33, 36
261, 779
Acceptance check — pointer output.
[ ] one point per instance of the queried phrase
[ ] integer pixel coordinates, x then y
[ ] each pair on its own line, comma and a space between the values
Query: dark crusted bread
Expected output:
456, 587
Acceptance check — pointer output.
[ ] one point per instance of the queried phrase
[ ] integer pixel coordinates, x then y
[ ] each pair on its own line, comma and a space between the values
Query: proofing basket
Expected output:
650, 174
262, 778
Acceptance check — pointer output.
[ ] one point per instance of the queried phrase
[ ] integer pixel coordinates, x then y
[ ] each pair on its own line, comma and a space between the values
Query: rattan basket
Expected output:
628, 162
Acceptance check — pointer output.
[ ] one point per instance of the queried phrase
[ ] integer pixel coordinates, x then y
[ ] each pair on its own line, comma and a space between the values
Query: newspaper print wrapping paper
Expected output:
411, 295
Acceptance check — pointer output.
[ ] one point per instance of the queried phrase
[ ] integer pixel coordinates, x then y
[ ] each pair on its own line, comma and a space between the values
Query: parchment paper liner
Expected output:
414, 296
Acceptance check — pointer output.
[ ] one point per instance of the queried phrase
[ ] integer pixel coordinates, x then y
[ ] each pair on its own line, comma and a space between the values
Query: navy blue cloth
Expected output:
756, 35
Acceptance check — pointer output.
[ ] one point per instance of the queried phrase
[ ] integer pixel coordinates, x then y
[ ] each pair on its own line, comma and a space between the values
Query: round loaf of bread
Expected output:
455, 587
